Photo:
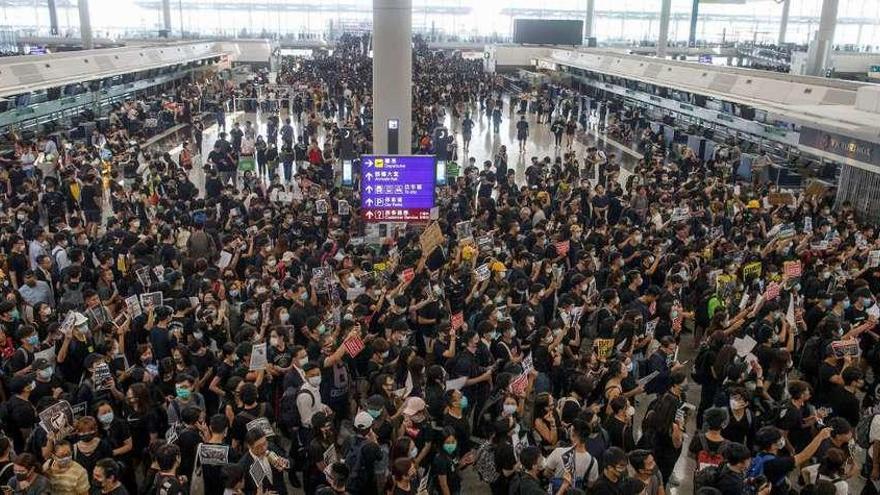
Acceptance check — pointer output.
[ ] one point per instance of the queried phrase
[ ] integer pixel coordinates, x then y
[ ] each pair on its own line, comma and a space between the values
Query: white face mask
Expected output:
781, 443
315, 380
509, 409
630, 411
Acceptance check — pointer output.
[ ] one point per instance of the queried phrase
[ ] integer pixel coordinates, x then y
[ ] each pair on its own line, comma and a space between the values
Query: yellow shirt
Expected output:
72, 481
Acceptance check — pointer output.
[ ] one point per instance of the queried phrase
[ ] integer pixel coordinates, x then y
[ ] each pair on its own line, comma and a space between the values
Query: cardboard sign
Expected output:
456, 383
457, 320
213, 454
102, 377
258, 357
482, 272
752, 270
604, 347
154, 299
680, 214
744, 345
518, 385
562, 247
408, 275
143, 276
874, 259
321, 207
772, 291
844, 348
57, 418
258, 474
808, 224
485, 242
263, 425
792, 269
354, 346
815, 189
225, 260
778, 198
343, 208
322, 278
431, 238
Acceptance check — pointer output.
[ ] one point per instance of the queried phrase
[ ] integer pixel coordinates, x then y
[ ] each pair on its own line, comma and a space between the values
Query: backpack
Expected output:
705, 457
811, 356
707, 477
862, 433
485, 463
289, 416
702, 373
756, 468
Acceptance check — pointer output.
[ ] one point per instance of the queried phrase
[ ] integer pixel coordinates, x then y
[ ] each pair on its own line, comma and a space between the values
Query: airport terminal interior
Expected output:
435, 247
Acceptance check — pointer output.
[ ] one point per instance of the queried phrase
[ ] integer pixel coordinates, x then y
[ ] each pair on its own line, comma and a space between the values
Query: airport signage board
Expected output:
843, 146
397, 188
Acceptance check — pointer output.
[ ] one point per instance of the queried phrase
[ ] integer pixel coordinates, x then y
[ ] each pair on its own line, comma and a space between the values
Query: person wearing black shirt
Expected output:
467, 126
522, 133
167, 481
732, 476
106, 479
776, 463
18, 414
527, 482
612, 480
619, 424
843, 399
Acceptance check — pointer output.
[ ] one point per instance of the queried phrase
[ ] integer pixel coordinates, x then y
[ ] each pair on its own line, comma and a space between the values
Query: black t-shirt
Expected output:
188, 441
791, 419
522, 129
446, 465
17, 414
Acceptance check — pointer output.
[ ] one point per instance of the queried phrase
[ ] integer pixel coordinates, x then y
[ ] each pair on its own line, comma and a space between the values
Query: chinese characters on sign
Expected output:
397, 188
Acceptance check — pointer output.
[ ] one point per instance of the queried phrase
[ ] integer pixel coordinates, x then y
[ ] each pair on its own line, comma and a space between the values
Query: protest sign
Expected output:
258, 357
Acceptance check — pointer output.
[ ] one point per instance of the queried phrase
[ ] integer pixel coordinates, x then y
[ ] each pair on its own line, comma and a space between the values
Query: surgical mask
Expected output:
183, 393
198, 335
322, 329
303, 361
45, 373
315, 380
449, 447
846, 304
829, 302
374, 413
106, 419
273, 341
34, 340
463, 402
630, 411
284, 317
413, 452
866, 301
781, 443
63, 462
304, 296
509, 409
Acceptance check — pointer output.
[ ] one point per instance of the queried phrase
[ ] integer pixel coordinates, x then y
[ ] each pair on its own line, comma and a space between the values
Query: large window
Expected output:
631, 21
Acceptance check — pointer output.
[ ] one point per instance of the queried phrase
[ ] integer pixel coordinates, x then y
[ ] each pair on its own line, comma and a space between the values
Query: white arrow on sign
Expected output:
369, 189
368, 176
368, 163
369, 202
369, 214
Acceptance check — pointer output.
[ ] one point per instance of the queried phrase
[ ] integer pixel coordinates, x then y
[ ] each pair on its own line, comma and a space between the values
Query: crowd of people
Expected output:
257, 336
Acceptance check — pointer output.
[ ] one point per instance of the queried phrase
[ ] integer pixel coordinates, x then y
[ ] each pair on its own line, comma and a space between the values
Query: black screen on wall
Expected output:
548, 31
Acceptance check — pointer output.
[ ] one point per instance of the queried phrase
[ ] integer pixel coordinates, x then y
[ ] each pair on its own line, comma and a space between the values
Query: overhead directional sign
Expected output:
397, 188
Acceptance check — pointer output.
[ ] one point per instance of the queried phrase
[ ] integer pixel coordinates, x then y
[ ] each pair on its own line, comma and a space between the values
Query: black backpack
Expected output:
289, 411
708, 477
811, 356
702, 373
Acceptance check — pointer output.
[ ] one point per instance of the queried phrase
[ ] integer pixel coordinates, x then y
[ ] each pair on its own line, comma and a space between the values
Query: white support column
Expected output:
588, 20
85, 25
824, 39
663, 39
783, 23
166, 16
392, 73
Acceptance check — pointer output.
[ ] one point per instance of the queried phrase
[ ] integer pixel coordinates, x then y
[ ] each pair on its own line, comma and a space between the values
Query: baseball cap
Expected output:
413, 406
363, 420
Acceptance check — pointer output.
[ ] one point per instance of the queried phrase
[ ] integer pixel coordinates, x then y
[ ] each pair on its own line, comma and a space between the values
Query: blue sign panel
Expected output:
397, 188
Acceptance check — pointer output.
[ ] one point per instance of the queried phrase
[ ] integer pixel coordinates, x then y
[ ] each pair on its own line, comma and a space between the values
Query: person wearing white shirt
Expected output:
308, 400
575, 458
